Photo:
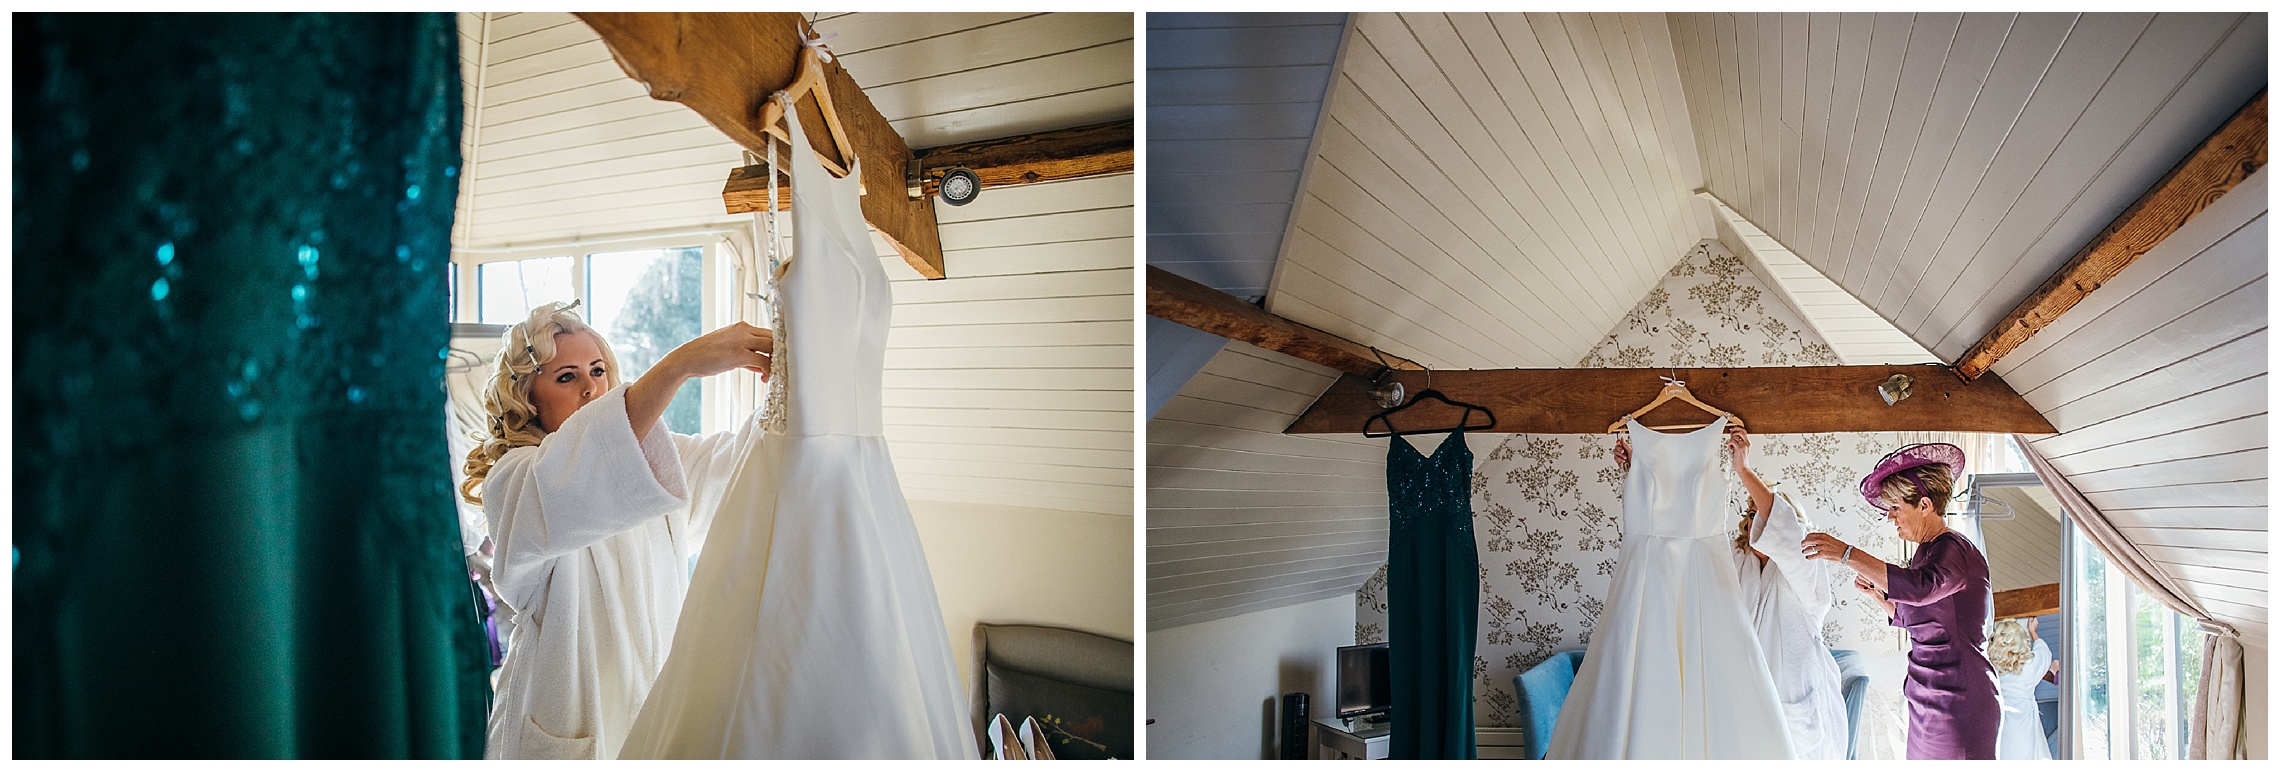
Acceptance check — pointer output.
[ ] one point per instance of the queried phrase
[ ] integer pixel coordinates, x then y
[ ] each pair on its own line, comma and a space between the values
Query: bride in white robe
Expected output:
1789, 598
593, 527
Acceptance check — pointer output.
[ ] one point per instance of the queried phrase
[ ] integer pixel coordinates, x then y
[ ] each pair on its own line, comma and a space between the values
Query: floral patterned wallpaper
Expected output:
1547, 509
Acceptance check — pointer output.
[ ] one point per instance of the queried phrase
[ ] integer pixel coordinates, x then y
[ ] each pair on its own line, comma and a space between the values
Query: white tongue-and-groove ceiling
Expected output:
1009, 383
1493, 190
1940, 166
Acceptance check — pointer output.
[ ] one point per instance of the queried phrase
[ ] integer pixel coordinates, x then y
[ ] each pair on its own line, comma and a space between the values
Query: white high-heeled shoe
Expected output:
1004, 746
1034, 740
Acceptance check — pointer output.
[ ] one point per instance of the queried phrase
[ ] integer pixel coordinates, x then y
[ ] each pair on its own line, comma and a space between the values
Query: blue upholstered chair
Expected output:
1852, 682
1543, 689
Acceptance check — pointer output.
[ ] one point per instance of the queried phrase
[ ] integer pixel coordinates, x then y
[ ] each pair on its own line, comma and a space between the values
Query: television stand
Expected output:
1358, 738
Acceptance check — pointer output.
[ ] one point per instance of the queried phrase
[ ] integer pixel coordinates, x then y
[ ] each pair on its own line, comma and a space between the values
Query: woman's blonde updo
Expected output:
507, 396
2011, 647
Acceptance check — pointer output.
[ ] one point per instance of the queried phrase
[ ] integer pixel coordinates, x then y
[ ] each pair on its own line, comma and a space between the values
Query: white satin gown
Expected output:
1674, 670
811, 628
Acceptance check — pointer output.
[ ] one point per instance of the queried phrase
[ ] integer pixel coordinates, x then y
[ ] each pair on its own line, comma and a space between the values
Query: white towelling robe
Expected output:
1789, 597
594, 532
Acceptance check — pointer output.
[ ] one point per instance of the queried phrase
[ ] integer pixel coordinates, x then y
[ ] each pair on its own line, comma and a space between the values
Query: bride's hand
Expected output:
1738, 441
1623, 452
738, 345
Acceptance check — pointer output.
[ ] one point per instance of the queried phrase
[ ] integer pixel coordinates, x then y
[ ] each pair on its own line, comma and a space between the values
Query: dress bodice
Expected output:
1664, 495
835, 306
1423, 490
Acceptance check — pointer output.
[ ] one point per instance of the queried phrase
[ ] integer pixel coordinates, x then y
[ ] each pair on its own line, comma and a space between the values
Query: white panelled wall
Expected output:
1011, 381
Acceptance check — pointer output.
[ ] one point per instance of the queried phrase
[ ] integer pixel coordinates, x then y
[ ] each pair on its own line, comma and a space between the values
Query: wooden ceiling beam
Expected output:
1067, 154
1771, 400
725, 65
2221, 162
2027, 602
1176, 298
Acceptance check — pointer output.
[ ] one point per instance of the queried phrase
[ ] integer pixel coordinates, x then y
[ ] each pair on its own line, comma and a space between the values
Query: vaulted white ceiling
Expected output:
1940, 166
1493, 190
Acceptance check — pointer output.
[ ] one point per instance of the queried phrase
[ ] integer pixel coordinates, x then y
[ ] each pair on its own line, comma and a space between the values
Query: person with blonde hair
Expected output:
2020, 661
595, 510
1940, 598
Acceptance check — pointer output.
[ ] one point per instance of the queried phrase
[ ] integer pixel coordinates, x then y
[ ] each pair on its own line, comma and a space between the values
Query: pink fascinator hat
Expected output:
1905, 462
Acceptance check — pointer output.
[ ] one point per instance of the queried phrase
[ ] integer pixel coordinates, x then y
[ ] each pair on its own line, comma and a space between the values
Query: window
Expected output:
2134, 664
508, 290
644, 301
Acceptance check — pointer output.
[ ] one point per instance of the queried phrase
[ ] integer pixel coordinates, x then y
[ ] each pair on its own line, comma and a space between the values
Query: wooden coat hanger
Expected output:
1672, 389
1463, 422
809, 81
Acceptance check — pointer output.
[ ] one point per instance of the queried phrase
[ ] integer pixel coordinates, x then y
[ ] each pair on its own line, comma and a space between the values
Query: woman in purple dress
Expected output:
1940, 598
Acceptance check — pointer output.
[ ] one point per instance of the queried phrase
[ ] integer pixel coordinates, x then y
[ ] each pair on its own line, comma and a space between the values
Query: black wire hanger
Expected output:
1465, 422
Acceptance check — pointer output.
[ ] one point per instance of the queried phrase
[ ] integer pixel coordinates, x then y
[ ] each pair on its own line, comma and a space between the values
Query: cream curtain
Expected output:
2217, 708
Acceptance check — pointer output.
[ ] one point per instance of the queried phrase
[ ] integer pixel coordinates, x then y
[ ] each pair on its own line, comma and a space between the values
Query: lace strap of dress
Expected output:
772, 269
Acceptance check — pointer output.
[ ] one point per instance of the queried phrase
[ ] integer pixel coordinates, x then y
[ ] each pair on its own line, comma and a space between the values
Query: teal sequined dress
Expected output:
1433, 584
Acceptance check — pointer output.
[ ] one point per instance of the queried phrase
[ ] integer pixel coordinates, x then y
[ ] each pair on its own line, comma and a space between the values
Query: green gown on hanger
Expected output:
1433, 605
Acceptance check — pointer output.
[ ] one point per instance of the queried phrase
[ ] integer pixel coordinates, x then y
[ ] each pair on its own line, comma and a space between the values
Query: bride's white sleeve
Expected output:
1781, 538
587, 481
707, 461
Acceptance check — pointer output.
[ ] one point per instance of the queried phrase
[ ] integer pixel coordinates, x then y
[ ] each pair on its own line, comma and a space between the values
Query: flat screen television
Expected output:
1365, 682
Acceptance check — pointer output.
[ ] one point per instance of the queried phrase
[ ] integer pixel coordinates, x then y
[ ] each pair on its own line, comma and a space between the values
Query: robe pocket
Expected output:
538, 743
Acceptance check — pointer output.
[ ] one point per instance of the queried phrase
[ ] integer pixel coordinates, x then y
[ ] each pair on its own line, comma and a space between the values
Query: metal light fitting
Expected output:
1896, 388
959, 186
1387, 392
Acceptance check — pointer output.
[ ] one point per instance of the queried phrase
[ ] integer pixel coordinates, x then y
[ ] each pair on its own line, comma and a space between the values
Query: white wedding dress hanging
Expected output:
811, 628
1674, 670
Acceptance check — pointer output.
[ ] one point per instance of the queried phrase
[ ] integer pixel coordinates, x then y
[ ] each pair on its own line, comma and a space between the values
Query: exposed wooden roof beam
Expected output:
1772, 400
1176, 298
1067, 154
2027, 602
725, 65
2222, 161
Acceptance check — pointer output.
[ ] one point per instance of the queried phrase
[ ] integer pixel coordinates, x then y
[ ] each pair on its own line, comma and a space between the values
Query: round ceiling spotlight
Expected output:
960, 186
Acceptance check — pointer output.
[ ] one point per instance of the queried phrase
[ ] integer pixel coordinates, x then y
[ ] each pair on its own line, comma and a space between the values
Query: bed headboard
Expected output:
1084, 680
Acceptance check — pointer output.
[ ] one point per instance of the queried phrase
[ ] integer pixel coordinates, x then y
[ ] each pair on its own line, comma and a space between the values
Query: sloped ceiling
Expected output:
1244, 518
2159, 386
1233, 99
1856, 334
1493, 190
1939, 167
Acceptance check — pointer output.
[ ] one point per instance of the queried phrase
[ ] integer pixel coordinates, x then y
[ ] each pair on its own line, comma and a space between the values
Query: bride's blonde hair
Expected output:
507, 395
2011, 646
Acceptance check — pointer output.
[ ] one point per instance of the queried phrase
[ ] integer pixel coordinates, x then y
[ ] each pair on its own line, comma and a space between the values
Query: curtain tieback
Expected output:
2219, 629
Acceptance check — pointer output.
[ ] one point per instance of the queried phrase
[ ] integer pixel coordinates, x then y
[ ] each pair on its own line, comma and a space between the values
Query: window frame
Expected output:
722, 247
2121, 643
